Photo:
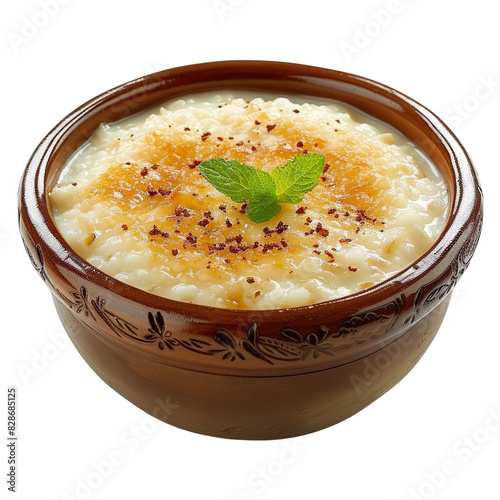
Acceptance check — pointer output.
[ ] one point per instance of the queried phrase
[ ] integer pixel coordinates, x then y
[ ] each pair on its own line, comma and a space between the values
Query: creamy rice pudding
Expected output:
134, 204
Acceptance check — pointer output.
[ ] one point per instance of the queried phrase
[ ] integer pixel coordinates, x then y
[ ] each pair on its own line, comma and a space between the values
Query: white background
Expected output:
445, 55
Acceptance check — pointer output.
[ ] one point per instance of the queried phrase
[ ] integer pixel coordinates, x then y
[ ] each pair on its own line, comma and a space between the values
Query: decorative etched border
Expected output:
294, 345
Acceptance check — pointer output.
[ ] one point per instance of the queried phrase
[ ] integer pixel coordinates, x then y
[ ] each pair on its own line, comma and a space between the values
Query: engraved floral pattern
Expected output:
438, 289
118, 325
314, 343
37, 261
79, 302
159, 333
294, 345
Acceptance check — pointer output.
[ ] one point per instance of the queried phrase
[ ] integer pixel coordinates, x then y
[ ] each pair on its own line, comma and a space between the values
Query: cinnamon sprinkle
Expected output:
158, 232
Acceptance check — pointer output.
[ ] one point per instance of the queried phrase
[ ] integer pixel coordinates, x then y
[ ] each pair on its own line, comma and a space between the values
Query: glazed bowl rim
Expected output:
460, 209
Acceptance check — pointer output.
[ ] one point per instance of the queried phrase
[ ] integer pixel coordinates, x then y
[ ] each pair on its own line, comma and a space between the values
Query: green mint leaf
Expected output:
264, 191
261, 182
229, 177
262, 204
261, 209
297, 177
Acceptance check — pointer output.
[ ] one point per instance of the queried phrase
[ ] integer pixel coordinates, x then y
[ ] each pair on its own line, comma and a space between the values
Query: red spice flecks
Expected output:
191, 238
345, 240
257, 122
124, 227
330, 254
238, 239
164, 191
74, 184
317, 252
186, 129
239, 248
204, 137
332, 211
309, 220
144, 171
240, 143
155, 166
175, 251
353, 269
325, 168
212, 247
269, 246
270, 127
284, 244
320, 230
151, 191
181, 211
222, 208
300, 144
194, 164
362, 217
301, 210
227, 261
254, 148
296, 111
228, 223
208, 215
158, 232
250, 280
243, 208
203, 222
220, 138
280, 228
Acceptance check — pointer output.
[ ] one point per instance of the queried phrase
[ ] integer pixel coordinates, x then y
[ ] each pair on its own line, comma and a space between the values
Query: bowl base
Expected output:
252, 407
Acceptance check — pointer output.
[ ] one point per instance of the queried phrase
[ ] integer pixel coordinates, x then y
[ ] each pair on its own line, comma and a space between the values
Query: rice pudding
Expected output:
134, 204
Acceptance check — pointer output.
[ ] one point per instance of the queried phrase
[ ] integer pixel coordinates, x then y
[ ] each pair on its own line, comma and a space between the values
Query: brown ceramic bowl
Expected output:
252, 374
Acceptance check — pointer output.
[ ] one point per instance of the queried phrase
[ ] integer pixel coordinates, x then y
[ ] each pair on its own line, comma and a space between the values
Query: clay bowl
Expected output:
252, 374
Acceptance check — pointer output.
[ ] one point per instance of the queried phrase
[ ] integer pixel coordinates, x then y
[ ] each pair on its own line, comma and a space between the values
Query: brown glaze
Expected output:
225, 369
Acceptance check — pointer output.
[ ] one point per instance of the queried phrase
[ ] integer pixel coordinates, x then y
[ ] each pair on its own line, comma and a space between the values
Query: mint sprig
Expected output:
297, 177
264, 191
